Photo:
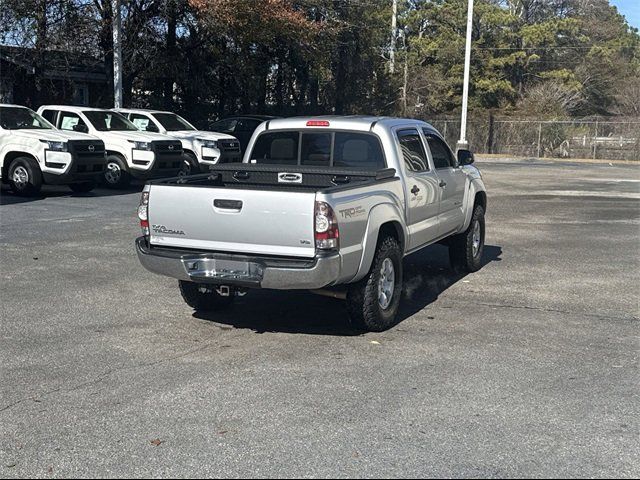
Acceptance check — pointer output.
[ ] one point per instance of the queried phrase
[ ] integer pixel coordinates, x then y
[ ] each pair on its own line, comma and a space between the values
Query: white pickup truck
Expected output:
202, 149
130, 152
33, 153
329, 204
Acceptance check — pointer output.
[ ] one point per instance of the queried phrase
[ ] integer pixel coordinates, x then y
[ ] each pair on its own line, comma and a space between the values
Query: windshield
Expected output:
105, 121
172, 122
20, 118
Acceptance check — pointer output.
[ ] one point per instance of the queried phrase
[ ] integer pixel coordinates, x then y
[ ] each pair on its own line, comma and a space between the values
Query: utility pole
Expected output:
394, 22
463, 144
117, 54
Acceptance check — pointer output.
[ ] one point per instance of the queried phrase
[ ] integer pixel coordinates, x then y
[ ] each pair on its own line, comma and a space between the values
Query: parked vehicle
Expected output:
201, 149
130, 152
317, 204
33, 153
241, 127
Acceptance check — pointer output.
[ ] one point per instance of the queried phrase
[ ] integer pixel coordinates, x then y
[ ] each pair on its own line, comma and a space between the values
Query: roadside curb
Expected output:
505, 159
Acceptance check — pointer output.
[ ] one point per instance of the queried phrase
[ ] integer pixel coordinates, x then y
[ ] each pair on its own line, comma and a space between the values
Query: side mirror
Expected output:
465, 157
80, 128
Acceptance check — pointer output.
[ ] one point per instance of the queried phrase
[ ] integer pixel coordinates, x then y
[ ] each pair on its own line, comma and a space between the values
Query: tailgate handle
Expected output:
228, 204
240, 175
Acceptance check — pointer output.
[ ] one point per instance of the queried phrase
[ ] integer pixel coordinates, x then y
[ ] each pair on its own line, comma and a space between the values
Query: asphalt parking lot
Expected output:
528, 367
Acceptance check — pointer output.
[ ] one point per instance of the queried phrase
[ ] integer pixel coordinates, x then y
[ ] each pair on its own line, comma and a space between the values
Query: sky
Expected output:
630, 9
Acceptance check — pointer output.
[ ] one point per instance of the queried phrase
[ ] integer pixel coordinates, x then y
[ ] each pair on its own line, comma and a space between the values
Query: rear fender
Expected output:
378, 216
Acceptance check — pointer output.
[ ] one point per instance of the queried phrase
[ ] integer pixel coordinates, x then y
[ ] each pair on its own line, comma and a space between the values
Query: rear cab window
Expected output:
327, 148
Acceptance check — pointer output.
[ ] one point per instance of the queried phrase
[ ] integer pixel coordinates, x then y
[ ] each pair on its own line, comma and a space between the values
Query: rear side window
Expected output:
279, 148
415, 158
355, 150
50, 116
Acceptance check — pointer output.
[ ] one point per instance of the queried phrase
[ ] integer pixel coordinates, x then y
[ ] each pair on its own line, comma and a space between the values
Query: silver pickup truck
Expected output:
328, 204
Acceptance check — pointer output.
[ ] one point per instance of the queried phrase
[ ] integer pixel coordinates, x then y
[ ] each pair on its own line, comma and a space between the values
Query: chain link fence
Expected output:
585, 138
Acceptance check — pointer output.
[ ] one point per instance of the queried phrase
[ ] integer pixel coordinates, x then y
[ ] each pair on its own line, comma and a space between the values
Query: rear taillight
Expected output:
327, 234
143, 213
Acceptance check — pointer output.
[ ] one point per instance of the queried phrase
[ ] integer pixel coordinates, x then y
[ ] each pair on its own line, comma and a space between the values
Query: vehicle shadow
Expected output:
427, 274
7, 197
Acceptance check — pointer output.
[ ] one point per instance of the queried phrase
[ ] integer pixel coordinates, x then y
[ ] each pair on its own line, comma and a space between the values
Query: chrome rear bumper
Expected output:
240, 270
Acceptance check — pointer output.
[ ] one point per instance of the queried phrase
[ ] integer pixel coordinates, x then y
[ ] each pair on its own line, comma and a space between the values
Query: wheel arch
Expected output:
384, 220
10, 157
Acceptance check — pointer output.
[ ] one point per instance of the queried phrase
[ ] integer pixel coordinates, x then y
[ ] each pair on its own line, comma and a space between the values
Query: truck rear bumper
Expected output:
240, 270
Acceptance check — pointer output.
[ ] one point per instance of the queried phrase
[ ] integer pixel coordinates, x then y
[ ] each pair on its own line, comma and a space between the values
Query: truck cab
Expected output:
130, 152
33, 153
202, 149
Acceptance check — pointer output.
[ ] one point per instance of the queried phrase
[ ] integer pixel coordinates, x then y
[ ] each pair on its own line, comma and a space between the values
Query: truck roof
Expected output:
346, 122
140, 110
74, 108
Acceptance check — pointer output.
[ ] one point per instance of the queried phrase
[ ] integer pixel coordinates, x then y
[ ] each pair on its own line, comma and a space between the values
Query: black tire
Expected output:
84, 187
462, 256
364, 305
203, 297
116, 174
25, 177
190, 165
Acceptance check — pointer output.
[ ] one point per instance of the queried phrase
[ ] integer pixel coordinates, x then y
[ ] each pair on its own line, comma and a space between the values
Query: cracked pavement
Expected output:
528, 367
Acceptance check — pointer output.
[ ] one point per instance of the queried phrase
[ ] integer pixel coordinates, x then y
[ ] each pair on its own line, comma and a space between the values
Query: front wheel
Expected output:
189, 165
465, 249
25, 177
203, 297
116, 174
373, 302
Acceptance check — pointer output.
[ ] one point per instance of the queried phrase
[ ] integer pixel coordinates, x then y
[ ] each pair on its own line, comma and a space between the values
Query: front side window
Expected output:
440, 153
105, 121
142, 122
20, 118
172, 122
72, 121
415, 158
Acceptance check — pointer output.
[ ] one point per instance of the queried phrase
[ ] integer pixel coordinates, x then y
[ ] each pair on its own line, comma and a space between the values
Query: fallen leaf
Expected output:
50, 469
222, 432
156, 442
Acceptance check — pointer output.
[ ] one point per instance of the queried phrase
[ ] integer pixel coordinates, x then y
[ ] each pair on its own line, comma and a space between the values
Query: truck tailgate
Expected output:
232, 220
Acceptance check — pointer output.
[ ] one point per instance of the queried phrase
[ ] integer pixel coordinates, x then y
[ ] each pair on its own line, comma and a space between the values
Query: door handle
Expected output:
415, 190
442, 183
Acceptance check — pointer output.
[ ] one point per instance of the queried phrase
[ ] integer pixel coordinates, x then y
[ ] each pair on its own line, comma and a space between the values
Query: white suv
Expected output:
130, 152
202, 149
33, 153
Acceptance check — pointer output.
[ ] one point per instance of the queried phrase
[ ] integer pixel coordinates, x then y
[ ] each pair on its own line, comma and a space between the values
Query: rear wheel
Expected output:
25, 176
203, 297
116, 174
465, 249
83, 187
373, 302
